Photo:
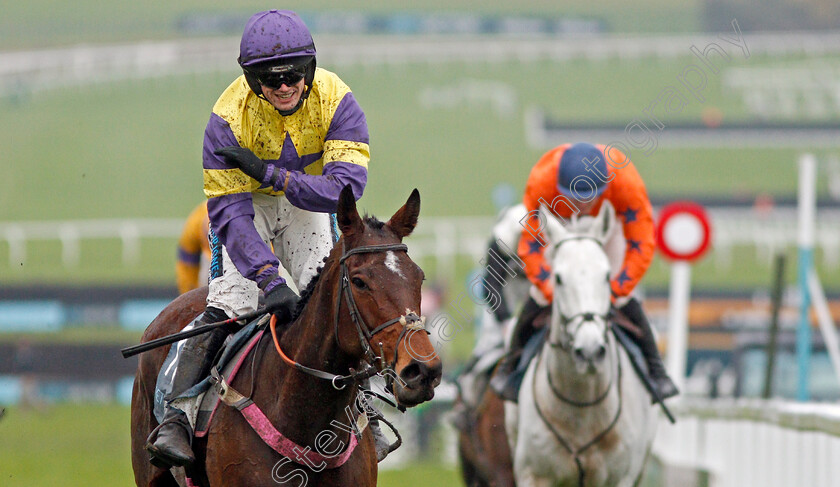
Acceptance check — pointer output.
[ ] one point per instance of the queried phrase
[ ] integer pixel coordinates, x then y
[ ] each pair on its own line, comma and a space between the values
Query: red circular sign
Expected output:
683, 232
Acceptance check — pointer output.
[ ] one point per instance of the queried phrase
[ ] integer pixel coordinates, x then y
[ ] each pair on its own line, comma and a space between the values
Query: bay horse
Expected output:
583, 417
362, 310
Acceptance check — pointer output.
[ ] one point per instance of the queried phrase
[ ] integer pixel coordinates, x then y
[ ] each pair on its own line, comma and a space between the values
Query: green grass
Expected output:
41, 23
132, 150
75, 445
67, 445
88, 335
82, 445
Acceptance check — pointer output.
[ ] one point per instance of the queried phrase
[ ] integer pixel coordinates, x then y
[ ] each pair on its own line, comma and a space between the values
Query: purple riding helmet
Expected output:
275, 45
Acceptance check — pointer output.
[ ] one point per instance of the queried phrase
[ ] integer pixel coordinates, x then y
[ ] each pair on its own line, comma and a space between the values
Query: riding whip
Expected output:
175, 337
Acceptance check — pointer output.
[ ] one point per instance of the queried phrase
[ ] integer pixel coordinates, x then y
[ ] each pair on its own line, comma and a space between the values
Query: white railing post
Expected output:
70, 251
130, 236
16, 237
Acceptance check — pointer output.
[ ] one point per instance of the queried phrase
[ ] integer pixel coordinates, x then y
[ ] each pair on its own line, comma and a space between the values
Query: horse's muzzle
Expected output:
417, 382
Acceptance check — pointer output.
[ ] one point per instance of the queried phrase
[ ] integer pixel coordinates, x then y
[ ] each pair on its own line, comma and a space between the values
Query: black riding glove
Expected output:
245, 160
282, 301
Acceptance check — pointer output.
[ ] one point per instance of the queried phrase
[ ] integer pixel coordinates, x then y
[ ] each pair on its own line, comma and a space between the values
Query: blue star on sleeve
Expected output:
634, 245
543, 274
534, 247
623, 277
629, 215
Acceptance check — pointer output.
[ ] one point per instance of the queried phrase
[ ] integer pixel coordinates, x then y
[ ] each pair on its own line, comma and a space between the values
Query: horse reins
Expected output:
580, 404
411, 323
575, 453
587, 316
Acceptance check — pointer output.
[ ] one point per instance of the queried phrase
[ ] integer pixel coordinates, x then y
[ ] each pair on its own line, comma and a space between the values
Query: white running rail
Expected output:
741, 443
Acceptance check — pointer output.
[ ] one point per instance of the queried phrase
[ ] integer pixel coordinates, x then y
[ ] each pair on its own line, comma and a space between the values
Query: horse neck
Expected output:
303, 404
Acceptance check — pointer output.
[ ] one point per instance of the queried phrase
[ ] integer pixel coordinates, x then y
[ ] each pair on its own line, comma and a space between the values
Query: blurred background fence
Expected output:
36, 70
437, 241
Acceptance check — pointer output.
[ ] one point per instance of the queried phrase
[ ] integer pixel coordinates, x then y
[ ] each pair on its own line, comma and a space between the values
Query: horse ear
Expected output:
554, 230
349, 221
405, 219
604, 223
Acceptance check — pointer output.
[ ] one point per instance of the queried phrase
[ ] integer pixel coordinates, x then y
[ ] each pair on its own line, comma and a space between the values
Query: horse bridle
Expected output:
410, 322
585, 316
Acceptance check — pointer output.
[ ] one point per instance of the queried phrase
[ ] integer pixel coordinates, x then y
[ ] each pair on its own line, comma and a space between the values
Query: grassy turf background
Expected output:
132, 150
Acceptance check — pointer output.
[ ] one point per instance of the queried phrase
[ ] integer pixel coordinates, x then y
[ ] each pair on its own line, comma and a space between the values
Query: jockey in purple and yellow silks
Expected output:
282, 141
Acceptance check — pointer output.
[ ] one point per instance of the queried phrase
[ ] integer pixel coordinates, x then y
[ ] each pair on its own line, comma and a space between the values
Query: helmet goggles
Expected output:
275, 76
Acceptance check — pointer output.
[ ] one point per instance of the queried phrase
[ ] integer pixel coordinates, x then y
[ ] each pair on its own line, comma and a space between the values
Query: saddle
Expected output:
201, 401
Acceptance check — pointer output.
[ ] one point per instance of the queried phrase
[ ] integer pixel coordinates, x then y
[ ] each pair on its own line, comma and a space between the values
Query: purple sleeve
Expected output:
232, 220
320, 193
217, 135
232, 215
348, 122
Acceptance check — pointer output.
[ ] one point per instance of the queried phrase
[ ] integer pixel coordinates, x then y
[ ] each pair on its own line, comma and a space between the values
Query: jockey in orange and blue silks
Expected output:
613, 179
574, 180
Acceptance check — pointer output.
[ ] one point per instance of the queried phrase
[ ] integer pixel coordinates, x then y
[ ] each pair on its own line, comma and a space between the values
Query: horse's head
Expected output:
383, 284
580, 272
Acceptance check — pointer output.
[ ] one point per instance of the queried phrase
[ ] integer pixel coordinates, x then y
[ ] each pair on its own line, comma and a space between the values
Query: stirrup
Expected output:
382, 445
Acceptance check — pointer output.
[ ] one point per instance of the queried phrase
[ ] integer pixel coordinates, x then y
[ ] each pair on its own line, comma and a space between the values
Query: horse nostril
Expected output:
602, 352
579, 354
412, 373
416, 373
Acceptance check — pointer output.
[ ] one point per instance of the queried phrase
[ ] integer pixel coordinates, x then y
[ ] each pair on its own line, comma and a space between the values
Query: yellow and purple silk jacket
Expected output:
324, 146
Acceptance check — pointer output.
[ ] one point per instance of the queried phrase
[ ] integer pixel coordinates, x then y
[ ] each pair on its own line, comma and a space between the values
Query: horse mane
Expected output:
307, 292
371, 222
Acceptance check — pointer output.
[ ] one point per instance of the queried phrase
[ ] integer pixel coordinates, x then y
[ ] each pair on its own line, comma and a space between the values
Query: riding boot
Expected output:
662, 384
172, 446
507, 378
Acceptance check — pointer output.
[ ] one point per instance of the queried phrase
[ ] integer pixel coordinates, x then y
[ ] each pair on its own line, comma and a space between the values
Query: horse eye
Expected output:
608, 277
558, 280
359, 283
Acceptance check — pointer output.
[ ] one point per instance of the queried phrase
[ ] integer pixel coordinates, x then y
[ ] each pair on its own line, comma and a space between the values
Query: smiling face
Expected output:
285, 97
